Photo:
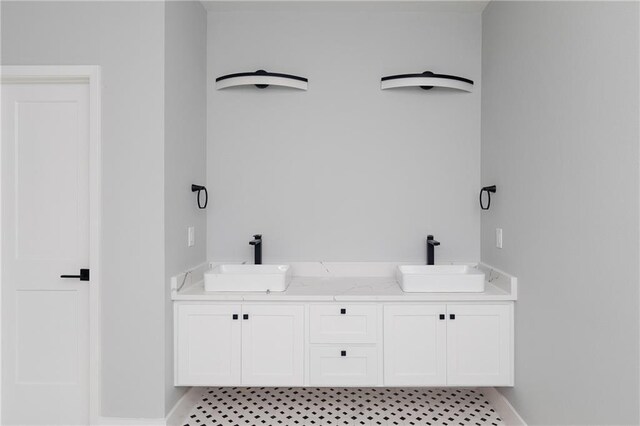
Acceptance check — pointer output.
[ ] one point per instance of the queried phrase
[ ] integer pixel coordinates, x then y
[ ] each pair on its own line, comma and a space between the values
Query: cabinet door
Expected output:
415, 345
208, 345
272, 345
479, 345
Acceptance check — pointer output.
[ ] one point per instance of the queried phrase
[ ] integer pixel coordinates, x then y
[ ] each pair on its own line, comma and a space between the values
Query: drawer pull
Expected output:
441, 316
452, 316
245, 316
343, 311
235, 316
343, 353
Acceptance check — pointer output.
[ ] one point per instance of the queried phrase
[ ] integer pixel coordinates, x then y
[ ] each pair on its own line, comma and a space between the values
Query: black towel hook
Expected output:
198, 188
488, 190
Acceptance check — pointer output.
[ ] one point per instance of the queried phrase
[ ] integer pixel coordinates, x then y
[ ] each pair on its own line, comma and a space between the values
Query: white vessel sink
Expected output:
247, 278
440, 279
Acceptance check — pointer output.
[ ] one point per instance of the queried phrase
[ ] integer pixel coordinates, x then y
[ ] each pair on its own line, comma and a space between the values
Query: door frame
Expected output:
75, 74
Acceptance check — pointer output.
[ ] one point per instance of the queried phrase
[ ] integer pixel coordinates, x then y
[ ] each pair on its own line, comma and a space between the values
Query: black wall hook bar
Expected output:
488, 190
198, 188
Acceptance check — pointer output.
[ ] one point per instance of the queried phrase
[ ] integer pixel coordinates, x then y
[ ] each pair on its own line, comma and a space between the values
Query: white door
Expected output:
45, 234
208, 346
415, 345
272, 345
479, 345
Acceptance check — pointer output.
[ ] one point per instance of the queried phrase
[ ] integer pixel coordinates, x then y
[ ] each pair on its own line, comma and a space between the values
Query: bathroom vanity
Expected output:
344, 325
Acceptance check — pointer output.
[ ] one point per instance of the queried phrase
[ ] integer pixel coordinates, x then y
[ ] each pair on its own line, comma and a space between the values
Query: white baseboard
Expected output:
184, 405
175, 417
507, 413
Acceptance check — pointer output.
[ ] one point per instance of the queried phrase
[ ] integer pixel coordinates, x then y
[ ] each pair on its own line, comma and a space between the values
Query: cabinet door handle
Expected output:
343, 353
245, 316
441, 317
235, 316
452, 316
343, 311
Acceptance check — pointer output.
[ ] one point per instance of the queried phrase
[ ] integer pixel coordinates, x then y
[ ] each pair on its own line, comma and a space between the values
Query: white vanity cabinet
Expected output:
239, 344
448, 344
356, 331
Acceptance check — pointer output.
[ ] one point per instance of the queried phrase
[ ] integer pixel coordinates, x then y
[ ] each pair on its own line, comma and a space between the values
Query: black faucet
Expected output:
431, 244
257, 245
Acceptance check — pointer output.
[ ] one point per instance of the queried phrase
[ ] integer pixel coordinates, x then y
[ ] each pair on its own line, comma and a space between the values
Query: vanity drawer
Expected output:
343, 365
339, 323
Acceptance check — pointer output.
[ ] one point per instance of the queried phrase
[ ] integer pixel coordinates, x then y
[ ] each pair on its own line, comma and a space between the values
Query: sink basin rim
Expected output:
247, 278
440, 279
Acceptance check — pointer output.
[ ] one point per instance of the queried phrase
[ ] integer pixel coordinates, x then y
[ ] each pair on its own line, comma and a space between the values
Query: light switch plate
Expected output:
191, 236
499, 238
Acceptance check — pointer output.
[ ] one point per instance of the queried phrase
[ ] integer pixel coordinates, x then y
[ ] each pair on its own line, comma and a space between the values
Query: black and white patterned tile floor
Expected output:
342, 407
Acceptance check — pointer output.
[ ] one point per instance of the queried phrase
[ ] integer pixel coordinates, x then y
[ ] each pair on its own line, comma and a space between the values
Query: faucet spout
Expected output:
257, 246
431, 244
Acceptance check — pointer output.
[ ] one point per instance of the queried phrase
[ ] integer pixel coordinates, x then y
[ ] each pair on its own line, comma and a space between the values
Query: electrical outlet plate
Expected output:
191, 236
499, 238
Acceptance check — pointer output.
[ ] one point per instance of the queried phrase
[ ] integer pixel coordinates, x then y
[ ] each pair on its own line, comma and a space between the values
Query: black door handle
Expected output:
452, 316
84, 275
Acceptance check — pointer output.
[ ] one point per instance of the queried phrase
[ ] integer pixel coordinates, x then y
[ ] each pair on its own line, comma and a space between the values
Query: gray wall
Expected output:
127, 40
560, 140
343, 171
184, 152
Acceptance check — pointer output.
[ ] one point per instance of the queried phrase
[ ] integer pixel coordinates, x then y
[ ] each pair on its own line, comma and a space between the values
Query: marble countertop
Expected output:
498, 287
